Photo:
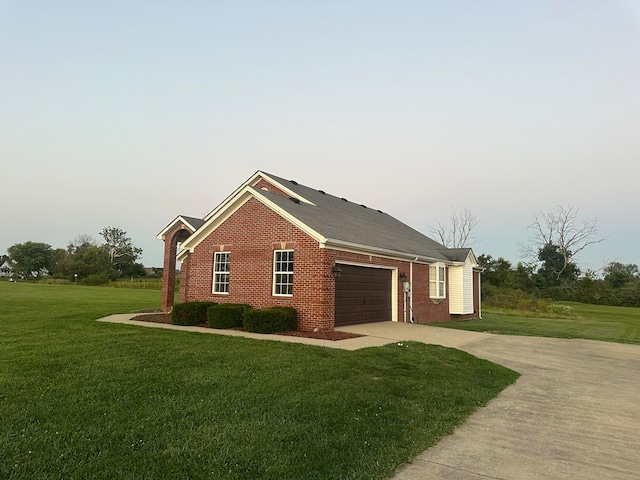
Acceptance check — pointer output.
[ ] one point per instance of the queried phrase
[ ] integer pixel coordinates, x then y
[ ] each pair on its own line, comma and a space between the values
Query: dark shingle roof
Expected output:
193, 221
338, 219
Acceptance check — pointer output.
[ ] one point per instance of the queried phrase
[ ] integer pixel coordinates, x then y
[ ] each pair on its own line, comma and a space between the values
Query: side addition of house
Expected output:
276, 242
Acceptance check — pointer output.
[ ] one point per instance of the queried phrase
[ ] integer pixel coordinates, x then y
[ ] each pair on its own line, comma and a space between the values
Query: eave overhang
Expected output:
379, 251
177, 220
233, 204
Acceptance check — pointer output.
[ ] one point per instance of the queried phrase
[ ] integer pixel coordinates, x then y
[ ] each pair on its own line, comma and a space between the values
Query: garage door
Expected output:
363, 295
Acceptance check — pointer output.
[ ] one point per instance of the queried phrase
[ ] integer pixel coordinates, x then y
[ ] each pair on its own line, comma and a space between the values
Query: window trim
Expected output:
216, 272
290, 260
438, 281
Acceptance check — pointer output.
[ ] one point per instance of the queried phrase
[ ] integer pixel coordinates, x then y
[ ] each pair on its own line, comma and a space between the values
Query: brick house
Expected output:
276, 242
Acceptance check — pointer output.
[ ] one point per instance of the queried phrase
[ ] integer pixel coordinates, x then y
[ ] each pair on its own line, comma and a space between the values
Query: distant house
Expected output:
276, 242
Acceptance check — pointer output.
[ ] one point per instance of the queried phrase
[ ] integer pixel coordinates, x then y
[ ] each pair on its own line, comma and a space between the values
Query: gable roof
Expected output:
332, 221
191, 223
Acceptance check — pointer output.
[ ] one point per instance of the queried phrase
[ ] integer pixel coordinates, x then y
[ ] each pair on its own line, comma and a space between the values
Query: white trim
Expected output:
214, 222
287, 216
231, 205
251, 182
291, 193
181, 255
351, 247
286, 272
178, 219
228, 272
437, 281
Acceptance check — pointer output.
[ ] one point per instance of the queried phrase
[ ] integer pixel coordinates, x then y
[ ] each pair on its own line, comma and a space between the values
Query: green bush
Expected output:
190, 313
96, 279
227, 315
512, 298
271, 320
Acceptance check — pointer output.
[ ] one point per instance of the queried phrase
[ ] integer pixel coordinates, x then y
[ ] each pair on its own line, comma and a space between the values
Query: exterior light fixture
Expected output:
336, 270
403, 277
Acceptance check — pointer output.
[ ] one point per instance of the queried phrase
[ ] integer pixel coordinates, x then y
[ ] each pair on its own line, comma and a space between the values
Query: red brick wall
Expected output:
476, 293
426, 309
178, 233
251, 235
262, 183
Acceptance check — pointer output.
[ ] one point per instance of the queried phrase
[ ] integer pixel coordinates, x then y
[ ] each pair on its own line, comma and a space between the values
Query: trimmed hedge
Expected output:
227, 315
271, 320
190, 313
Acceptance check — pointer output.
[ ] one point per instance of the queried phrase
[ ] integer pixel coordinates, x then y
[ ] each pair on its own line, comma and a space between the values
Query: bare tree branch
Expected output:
461, 231
560, 226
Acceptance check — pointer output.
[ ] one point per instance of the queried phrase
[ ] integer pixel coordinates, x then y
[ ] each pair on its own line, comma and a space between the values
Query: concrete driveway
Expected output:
573, 414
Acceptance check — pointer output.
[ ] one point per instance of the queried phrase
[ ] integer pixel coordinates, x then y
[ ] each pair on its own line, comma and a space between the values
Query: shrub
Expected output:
227, 315
271, 320
190, 313
96, 279
512, 299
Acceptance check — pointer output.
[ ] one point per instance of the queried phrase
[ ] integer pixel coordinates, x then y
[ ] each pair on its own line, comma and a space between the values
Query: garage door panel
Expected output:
363, 295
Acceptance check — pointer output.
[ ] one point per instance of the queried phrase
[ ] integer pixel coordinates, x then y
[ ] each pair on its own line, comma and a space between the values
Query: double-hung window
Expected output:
437, 284
283, 272
221, 272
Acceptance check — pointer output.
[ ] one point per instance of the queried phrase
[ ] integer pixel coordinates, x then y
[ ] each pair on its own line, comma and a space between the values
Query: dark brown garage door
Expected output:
363, 295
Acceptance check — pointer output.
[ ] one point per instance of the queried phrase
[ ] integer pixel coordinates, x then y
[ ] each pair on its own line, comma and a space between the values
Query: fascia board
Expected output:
317, 236
282, 187
472, 258
179, 218
230, 198
252, 181
181, 255
382, 252
230, 207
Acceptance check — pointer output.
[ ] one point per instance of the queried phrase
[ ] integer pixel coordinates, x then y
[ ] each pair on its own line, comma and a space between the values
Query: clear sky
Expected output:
128, 113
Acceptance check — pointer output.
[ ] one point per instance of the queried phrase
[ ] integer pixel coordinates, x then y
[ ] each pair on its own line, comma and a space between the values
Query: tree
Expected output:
31, 258
83, 261
497, 271
618, 275
122, 254
560, 227
461, 231
555, 268
80, 242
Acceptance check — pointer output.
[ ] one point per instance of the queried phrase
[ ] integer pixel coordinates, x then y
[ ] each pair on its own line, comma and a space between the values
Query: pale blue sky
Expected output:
130, 113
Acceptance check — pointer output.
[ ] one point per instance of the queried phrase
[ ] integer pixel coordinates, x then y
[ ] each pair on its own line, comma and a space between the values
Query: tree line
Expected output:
551, 271
85, 259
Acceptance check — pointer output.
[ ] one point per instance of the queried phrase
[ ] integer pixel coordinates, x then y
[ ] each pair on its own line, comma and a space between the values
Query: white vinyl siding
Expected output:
437, 282
461, 289
221, 272
283, 272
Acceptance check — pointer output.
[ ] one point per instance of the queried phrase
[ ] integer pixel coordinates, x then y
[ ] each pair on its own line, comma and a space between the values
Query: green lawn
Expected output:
81, 399
594, 322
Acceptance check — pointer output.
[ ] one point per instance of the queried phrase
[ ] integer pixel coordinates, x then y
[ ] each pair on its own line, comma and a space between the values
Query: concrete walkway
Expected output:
573, 414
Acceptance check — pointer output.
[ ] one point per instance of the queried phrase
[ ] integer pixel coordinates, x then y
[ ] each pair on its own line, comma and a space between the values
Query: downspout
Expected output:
412, 319
480, 295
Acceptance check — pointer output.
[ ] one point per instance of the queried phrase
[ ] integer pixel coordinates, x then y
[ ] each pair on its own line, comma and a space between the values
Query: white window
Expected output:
283, 272
437, 285
221, 272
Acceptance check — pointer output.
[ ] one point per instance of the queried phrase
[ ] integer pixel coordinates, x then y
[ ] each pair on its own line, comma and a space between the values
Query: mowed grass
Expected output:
594, 322
81, 399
